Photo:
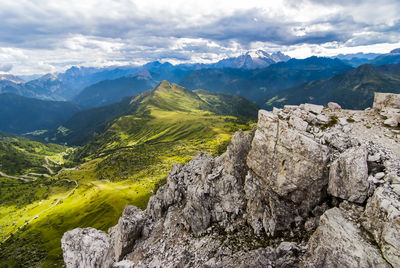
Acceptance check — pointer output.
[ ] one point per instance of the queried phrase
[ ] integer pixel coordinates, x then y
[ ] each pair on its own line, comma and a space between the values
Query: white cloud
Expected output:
92, 33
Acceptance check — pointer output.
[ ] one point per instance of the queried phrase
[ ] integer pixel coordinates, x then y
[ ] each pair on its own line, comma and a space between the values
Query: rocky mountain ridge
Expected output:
252, 60
310, 186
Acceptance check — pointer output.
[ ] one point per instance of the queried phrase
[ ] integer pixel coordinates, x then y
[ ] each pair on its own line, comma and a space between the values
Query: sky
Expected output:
41, 36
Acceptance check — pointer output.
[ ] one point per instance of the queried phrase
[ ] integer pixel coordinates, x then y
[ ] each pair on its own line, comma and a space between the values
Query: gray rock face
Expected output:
393, 121
295, 192
338, 242
348, 175
123, 264
386, 100
382, 219
316, 109
284, 256
87, 248
334, 106
128, 229
298, 123
291, 169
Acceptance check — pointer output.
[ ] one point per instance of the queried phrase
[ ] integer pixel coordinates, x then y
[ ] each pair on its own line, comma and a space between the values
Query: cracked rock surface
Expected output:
310, 186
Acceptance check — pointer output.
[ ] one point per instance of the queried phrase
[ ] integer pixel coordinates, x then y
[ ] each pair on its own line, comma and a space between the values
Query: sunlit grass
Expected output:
121, 166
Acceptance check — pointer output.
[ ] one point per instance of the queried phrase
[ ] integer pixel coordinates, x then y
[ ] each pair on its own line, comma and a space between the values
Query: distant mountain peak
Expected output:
11, 78
163, 84
253, 59
167, 86
49, 76
142, 75
258, 54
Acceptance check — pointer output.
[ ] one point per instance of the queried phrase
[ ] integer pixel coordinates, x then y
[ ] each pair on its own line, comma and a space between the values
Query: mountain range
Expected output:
256, 84
352, 90
70, 84
376, 59
252, 60
67, 85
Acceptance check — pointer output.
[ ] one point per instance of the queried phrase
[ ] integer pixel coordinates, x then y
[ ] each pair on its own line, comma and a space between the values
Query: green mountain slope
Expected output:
85, 125
122, 165
352, 90
20, 114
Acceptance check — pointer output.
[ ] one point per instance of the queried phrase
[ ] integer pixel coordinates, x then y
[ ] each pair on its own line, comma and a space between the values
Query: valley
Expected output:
125, 164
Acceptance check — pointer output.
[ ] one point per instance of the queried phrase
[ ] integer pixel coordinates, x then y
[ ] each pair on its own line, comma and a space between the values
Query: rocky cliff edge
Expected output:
311, 186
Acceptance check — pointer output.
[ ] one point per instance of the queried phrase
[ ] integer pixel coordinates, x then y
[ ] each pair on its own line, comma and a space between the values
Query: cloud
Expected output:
94, 33
6, 67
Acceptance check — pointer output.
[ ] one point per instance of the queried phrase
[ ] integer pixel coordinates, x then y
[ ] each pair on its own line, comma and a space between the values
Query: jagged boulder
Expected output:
218, 195
291, 168
338, 242
87, 248
348, 175
382, 219
334, 106
315, 109
386, 100
128, 229
234, 159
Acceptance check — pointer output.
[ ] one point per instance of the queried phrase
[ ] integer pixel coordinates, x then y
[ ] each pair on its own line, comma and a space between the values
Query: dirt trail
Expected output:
47, 165
2, 174
34, 176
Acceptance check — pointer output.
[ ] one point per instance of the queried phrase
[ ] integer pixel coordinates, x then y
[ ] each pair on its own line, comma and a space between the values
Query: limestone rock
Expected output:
286, 160
128, 229
87, 248
284, 256
338, 242
290, 167
348, 175
382, 219
316, 109
386, 100
298, 123
234, 159
334, 106
123, 264
290, 107
393, 122
322, 119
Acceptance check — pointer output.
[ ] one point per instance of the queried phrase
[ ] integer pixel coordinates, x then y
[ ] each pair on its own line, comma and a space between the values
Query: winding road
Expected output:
31, 178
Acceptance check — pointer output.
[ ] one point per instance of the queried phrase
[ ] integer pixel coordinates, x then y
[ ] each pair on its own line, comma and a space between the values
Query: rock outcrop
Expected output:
389, 107
338, 242
308, 187
87, 247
